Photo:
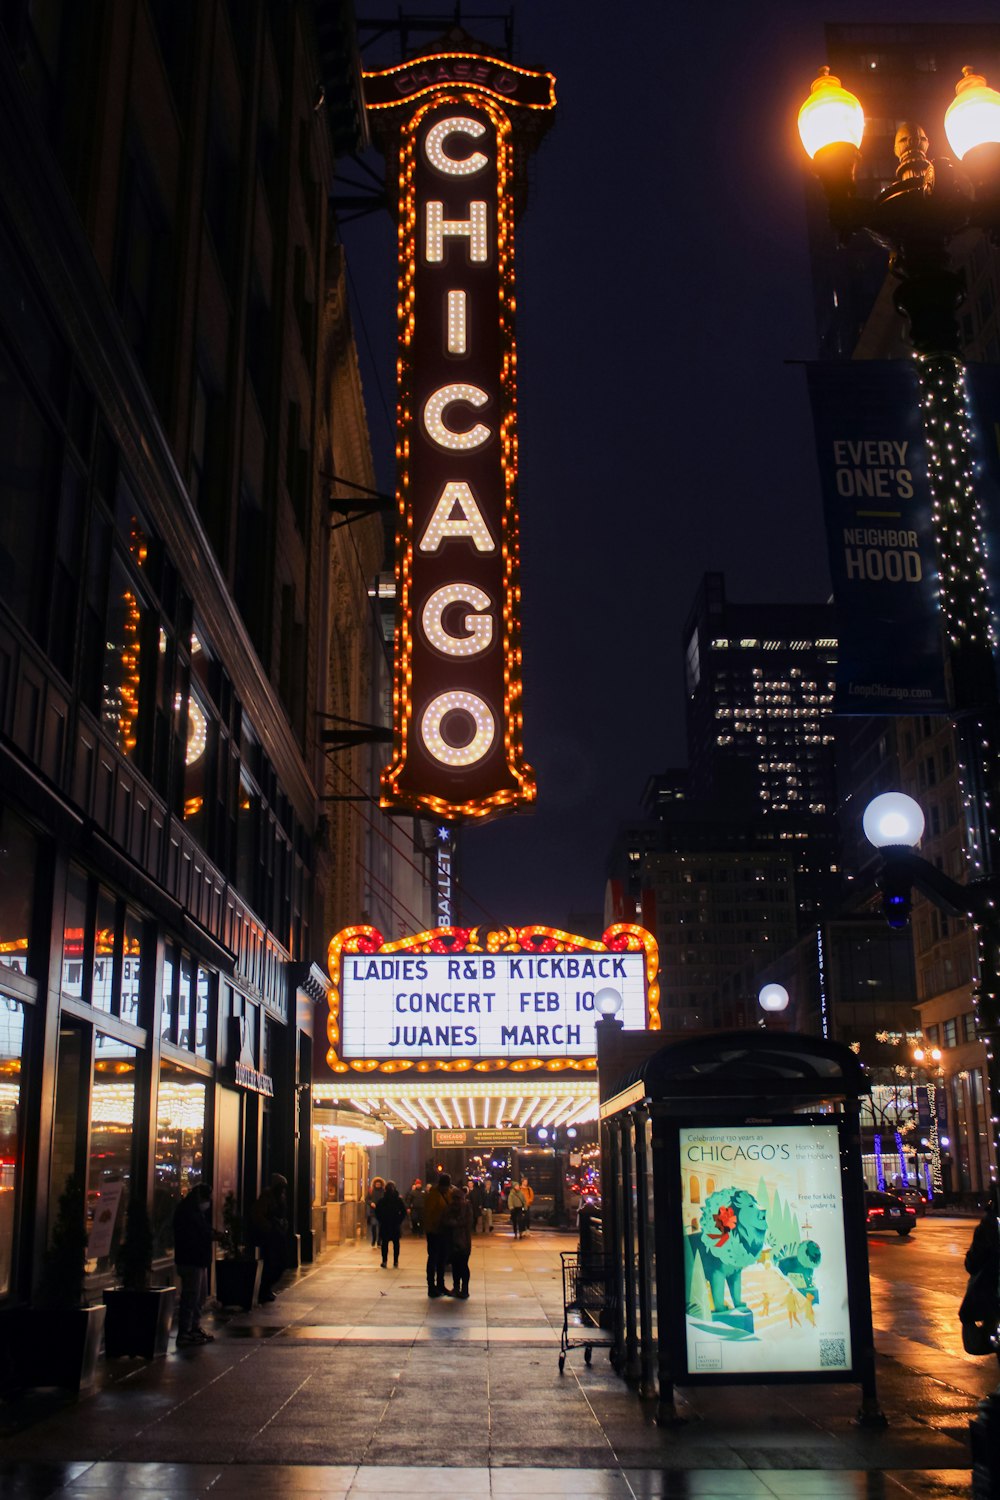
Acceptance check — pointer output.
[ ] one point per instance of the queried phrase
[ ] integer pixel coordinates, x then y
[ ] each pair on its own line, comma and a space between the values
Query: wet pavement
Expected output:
353, 1379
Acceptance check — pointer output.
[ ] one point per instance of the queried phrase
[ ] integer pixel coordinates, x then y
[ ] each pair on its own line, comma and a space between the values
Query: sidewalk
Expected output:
353, 1379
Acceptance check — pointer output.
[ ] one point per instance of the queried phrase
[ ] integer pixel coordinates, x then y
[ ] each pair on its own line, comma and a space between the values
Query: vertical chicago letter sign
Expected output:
458, 125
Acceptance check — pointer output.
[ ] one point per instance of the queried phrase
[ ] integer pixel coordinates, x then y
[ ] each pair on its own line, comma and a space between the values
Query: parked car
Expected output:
914, 1197
885, 1212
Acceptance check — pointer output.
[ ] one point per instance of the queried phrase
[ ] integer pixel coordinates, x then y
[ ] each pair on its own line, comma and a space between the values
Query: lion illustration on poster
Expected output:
733, 1232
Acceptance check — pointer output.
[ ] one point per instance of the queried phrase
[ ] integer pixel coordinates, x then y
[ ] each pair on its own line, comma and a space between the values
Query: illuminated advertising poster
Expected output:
765, 1270
456, 997
456, 128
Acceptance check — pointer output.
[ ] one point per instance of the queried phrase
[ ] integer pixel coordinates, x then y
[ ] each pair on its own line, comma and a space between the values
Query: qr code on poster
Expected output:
832, 1354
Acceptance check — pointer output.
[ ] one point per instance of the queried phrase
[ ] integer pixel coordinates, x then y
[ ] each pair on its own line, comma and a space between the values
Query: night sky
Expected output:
663, 304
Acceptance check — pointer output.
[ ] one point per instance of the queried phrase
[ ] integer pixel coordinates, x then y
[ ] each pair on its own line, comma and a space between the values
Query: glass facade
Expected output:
109, 1169
18, 855
180, 1147
11, 1052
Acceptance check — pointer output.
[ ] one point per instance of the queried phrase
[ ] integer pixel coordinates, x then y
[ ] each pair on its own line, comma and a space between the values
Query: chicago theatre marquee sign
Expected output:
456, 999
458, 127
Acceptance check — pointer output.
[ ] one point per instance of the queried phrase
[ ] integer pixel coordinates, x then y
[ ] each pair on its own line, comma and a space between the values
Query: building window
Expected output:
179, 1160
18, 860
11, 1053
950, 1033
109, 1171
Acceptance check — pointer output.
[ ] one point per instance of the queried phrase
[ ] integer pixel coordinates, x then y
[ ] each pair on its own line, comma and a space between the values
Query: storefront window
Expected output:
180, 1147
109, 1172
74, 934
184, 1006
202, 998
18, 855
11, 1049
168, 1012
102, 991
131, 968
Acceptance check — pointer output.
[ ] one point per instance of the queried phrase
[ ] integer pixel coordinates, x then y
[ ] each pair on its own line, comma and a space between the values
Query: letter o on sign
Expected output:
457, 755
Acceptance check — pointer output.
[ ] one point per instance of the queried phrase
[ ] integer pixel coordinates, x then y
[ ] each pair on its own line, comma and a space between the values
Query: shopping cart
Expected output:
588, 1297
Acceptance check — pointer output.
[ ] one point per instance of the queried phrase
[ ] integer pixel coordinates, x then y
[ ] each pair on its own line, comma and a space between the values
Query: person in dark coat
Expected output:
415, 1205
435, 1204
193, 1236
374, 1199
390, 1211
270, 1232
980, 1309
458, 1222
477, 1199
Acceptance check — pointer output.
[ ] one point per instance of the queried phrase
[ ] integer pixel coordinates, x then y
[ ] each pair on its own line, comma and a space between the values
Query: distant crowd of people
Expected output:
447, 1215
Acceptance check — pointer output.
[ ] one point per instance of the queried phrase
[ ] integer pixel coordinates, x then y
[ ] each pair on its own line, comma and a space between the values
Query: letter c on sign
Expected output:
438, 157
435, 428
437, 745
480, 626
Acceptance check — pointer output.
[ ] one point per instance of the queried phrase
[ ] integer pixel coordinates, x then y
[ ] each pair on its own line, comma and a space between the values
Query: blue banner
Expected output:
877, 504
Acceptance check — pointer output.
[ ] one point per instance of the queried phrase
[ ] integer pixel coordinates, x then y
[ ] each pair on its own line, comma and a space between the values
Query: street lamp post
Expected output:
915, 218
893, 823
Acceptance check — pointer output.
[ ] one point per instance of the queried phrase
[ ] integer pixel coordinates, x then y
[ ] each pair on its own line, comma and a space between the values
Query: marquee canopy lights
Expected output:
457, 126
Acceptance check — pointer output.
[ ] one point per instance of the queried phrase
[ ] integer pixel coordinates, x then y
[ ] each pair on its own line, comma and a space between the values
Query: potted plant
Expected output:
56, 1342
237, 1274
138, 1315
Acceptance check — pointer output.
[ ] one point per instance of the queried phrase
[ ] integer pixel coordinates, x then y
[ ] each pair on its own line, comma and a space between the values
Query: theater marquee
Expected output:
457, 127
457, 998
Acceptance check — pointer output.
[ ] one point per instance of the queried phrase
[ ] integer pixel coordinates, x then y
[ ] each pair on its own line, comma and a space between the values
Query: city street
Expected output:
353, 1377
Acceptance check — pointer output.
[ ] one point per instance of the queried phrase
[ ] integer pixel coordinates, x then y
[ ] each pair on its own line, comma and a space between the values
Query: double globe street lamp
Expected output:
915, 218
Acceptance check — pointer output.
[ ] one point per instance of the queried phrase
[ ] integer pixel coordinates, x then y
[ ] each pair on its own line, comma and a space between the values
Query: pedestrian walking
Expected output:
435, 1205
528, 1194
477, 1198
415, 1206
269, 1228
491, 1202
515, 1203
458, 1223
193, 1236
374, 1199
390, 1211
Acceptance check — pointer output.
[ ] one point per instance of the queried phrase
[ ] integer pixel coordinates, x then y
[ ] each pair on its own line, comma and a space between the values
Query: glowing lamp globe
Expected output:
893, 819
831, 116
773, 998
607, 1003
973, 116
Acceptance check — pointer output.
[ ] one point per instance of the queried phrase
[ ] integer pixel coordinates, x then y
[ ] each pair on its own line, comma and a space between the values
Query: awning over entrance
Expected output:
453, 1102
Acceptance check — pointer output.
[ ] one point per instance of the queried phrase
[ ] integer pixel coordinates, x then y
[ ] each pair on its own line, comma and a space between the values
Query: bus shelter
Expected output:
734, 1221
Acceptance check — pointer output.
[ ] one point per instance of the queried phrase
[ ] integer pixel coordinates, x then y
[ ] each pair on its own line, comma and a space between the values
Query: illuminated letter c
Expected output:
435, 428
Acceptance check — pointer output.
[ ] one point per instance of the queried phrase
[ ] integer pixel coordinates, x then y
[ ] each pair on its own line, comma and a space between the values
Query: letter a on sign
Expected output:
457, 128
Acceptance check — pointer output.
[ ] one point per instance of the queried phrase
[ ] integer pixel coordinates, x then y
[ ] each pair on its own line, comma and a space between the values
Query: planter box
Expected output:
138, 1322
50, 1346
237, 1282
